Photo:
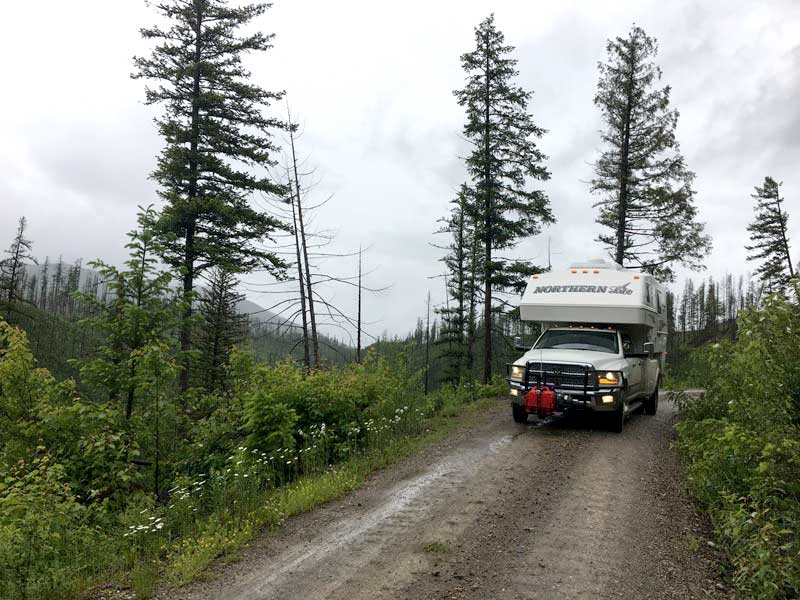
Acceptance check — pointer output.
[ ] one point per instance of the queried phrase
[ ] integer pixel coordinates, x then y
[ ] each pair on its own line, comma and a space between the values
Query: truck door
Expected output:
636, 374
636, 377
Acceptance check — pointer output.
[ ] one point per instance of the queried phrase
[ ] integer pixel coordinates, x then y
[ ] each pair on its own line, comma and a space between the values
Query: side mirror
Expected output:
650, 348
518, 345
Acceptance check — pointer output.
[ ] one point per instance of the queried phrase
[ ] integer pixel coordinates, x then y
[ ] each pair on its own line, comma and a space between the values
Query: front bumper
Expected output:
572, 399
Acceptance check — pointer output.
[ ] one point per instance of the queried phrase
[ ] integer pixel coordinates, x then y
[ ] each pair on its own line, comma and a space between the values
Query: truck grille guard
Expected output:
576, 378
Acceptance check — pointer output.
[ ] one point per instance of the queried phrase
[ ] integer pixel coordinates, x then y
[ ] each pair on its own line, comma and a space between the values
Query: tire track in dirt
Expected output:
498, 511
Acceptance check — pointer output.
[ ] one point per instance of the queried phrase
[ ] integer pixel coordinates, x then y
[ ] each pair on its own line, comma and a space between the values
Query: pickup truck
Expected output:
587, 369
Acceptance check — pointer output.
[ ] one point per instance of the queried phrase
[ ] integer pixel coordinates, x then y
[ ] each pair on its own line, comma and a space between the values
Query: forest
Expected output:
153, 420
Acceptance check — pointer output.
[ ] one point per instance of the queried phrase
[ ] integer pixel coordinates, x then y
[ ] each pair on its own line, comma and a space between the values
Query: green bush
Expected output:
271, 424
741, 441
47, 538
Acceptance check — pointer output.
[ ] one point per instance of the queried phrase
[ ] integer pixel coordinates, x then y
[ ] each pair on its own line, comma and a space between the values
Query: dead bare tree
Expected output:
309, 300
303, 241
358, 317
301, 279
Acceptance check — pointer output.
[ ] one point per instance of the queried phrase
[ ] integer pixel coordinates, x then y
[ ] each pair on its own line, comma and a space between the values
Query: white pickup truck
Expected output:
602, 345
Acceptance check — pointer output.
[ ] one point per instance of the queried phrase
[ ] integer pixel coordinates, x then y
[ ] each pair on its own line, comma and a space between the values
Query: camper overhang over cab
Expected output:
599, 292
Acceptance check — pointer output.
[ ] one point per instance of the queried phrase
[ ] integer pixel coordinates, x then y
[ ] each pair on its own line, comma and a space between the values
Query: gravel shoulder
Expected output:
498, 510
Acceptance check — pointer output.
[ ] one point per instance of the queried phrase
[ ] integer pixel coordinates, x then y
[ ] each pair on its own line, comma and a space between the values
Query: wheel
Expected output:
651, 404
518, 411
617, 418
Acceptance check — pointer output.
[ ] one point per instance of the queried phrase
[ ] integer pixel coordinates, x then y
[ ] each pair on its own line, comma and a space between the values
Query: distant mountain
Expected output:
257, 313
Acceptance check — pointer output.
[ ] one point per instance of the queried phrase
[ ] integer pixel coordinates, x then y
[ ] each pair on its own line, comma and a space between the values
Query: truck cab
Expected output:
602, 345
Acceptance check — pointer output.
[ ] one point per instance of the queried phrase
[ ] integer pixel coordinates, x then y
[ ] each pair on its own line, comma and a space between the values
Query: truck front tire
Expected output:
519, 414
651, 404
616, 419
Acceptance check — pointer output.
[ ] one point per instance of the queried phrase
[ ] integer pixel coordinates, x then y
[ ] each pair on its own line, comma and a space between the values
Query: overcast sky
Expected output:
372, 83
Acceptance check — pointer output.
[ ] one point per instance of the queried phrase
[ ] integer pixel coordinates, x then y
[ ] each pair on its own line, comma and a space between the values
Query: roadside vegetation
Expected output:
741, 443
88, 498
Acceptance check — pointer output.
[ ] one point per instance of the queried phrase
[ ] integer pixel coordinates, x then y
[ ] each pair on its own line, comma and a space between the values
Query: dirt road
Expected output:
498, 511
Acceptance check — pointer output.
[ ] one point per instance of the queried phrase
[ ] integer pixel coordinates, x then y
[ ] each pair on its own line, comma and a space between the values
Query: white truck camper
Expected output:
602, 347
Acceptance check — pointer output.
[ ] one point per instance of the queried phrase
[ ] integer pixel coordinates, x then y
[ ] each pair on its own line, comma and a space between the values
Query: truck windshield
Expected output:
579, 339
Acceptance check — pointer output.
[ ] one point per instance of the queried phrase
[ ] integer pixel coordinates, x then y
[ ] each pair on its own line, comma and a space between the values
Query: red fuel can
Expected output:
540, 400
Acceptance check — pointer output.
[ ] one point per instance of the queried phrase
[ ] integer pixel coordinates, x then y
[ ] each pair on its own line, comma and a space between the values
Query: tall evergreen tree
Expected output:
214, 129
503, 160
769, 237
647, 200
220, 328
13, 268
458, 289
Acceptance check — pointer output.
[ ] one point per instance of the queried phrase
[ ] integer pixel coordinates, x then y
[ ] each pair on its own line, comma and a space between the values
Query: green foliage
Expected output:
271, 424
24, 388
94, 447
741, 441
43, 528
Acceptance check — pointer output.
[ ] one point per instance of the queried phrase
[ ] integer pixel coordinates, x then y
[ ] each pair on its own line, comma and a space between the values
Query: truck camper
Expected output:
602, 347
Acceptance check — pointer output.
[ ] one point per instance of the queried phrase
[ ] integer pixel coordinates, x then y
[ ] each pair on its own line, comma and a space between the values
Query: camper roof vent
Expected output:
597, 263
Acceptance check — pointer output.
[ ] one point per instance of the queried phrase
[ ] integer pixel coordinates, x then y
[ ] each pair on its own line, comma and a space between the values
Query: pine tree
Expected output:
769, 237
220, 328
647, 200
213, 126
503, 160
141, 313
457, 288
13, 268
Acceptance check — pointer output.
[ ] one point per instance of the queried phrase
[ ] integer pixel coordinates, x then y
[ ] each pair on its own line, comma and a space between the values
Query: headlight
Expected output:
517, 372
609, 378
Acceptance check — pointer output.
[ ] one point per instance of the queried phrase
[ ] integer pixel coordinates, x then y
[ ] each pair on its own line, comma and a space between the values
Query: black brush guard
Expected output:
561, 377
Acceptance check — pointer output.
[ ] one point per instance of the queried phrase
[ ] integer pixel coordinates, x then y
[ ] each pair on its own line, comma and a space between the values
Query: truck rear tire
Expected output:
519, 414
651, 404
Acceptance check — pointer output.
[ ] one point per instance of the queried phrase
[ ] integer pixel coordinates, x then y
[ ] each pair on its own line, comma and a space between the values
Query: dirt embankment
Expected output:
497, 511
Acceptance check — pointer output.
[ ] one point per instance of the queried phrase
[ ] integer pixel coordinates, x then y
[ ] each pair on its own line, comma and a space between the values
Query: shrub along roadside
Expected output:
311, 491
741, 444
87, 495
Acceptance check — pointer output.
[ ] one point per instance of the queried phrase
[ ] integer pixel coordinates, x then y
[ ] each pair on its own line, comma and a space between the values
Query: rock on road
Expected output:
499, 510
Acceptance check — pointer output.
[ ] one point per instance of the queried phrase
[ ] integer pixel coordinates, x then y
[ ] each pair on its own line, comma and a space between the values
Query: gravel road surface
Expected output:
499, 510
